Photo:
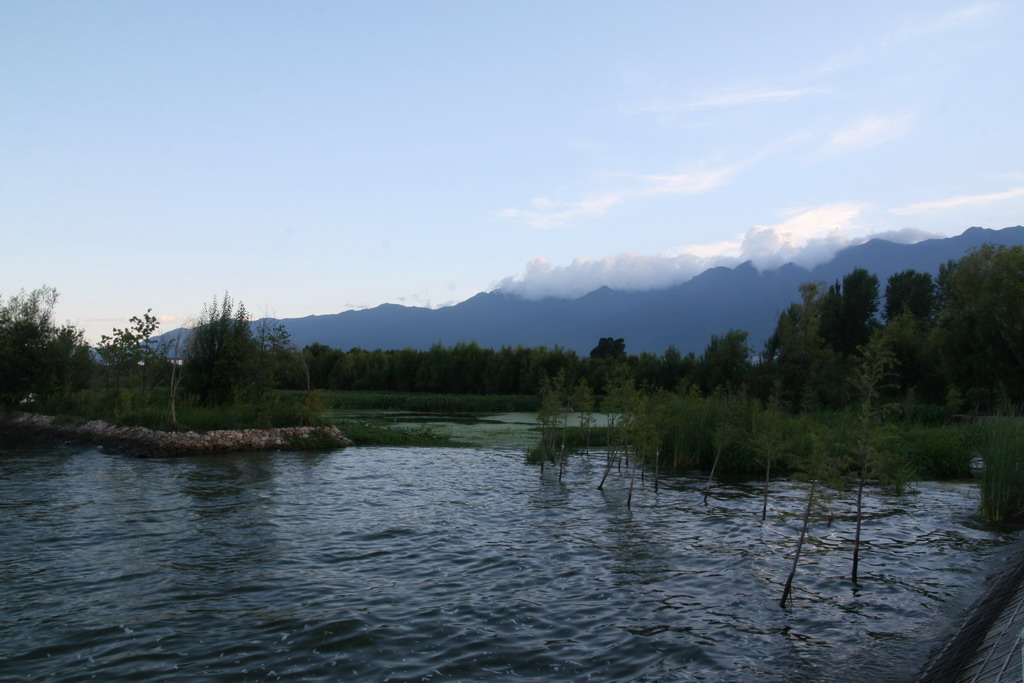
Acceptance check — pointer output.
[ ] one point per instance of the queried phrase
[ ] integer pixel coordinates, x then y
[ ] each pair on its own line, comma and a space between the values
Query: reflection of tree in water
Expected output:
231, 505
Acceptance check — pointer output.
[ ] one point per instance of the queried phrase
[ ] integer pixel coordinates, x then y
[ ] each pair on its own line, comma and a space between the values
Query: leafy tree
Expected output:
620, 396
918, 366
128, 348
219, 353
910, 292
725, 363
70, 359
551, 416
320, 360
608, 347
37, 357
868, 381
848, 312
981, 325
796, 352
272, 351
583, 403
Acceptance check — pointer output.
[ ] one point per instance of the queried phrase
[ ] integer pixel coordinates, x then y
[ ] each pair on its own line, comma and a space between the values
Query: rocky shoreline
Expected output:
145, 442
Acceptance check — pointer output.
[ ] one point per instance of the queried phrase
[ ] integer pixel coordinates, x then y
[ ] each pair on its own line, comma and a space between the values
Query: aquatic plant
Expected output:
788, 588
868, 381
621, 396
1002, 482
767, 440
821, 468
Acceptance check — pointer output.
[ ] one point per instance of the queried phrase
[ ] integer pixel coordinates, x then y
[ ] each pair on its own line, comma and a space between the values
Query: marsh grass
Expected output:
152, 410
1002, 483
428, 403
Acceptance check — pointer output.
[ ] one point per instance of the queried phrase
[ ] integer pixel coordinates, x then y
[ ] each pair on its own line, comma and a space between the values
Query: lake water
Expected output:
459, 564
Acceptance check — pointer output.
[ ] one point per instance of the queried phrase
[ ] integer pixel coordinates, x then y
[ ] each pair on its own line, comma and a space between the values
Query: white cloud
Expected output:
806, 237
955, 202
626, 272
868, 132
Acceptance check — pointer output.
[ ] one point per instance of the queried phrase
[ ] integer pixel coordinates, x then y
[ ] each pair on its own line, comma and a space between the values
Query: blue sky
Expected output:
314, 157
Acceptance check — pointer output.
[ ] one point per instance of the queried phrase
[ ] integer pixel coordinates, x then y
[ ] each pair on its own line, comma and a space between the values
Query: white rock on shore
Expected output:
143, 441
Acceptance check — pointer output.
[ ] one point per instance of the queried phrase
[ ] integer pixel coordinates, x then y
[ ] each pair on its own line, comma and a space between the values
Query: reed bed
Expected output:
1002, 483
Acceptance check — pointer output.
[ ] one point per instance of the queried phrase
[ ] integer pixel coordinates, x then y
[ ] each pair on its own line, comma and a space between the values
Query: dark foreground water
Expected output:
434, 564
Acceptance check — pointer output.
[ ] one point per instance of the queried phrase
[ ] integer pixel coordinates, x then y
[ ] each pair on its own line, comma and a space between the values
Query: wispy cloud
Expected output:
955, 202
953, 19
732, 98
963, 17
546, 213
868, 132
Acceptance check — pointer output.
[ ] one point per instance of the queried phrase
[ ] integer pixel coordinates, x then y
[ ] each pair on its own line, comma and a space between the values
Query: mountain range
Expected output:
684, 316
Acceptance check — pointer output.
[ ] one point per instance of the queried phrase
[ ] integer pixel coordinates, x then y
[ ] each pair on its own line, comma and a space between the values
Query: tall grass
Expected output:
1002, 483
430, 403
152, 410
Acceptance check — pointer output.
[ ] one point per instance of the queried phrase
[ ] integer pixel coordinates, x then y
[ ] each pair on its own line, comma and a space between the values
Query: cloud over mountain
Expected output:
807, 237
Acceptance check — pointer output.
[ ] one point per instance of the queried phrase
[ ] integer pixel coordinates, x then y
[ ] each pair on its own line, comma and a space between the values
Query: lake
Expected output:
433, 564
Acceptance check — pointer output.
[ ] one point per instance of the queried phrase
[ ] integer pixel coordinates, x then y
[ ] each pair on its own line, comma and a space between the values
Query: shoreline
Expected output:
145, 442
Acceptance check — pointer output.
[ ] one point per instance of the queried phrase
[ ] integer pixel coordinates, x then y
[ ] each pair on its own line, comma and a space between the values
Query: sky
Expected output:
311, 157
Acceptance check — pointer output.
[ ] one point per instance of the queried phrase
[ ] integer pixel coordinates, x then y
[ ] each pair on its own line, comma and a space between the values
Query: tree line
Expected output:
957, 341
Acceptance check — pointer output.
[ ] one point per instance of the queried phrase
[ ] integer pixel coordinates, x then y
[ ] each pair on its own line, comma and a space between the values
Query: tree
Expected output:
620, 396
128, 348
848, 312
725, 363
981, 325
583, 403
37, 357
910, 292
868, 381
272, 351
607, 347
796, 350
219, 353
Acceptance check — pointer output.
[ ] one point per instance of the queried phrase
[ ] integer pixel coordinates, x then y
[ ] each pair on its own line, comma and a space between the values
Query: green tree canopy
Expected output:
981, 326
910, 292
37, 357
219, 353
608, 347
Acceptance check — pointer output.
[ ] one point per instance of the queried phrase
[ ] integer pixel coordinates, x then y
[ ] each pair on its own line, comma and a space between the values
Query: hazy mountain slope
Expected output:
684, 316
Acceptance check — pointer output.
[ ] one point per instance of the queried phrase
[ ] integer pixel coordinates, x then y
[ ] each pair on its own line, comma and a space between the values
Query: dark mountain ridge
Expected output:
684, 316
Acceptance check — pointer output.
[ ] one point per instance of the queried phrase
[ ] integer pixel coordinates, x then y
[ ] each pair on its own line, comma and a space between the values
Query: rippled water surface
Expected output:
434, 564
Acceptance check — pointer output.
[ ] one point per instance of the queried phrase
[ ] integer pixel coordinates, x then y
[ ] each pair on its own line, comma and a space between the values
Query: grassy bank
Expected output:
442, 404
689, 431
152, 409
